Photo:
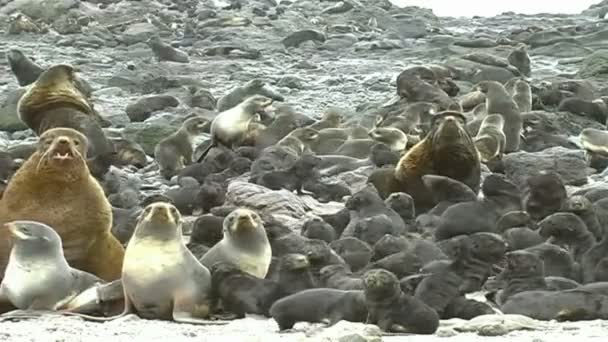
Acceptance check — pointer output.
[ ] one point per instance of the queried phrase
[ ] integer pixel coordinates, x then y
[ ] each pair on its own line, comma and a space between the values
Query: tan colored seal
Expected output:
54, 187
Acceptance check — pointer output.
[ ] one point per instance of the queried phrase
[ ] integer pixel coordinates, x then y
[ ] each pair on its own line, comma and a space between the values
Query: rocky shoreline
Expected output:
316, 55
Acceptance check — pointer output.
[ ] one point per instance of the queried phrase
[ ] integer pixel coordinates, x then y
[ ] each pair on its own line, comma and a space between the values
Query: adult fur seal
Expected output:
37, 275
54, 187
490, 140
55, 100
231, 127
499, 101
447, 150
245, 244
175, 151
161, 278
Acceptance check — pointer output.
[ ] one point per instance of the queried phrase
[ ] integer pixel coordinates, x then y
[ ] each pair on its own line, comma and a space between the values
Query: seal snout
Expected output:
162, 212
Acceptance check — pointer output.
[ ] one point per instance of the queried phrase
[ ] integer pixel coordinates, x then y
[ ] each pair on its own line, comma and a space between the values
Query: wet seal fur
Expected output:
161, 278
54, 187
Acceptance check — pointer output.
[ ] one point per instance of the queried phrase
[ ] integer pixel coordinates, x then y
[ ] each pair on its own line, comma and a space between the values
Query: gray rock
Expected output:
595, 65
139, 33
9, 120
143, 108
45, 10
569, 164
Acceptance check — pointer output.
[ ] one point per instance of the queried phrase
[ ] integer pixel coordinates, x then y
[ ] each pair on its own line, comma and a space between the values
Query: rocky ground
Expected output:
316, 54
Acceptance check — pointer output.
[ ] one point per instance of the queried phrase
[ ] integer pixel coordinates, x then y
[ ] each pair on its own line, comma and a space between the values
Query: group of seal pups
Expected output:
403, 253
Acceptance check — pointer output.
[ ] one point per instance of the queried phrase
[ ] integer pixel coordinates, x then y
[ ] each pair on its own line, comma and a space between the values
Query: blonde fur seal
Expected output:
54, 187
231, 127
490, 140
161, 278
245, 244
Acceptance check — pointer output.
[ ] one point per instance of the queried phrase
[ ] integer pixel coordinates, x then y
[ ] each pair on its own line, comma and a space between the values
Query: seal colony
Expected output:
430, 208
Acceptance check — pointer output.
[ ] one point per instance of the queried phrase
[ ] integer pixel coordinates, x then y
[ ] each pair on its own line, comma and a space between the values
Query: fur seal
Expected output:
447, 150
522, 95
37, 276
244, 244
24, 69
499, 101
293, 178
165, 52
161, 278
392, 137
175, 151
595, 109
55, 100
332, 118
338, 276
231, 127
299, 141
490, 139
318, 305
520, 59
595, 141
356, 253
241, 93
54, 187
420, 84
394, 311
544, 194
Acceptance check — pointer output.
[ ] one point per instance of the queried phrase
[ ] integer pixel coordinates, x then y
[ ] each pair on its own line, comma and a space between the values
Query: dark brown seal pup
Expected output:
394, 311
447, 150
319, 305
55, 100
54, 187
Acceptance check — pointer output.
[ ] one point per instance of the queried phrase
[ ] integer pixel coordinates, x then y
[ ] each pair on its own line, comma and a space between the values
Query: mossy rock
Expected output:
148, 134
595, 65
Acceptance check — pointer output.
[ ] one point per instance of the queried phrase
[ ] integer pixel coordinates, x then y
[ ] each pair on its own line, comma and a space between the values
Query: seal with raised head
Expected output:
161, 278
244, 244
490, 139
55, 100
231, 127
499, 101
37, 276
25, 70
447, 150
54, 187
175, 151
522, 95
394, 311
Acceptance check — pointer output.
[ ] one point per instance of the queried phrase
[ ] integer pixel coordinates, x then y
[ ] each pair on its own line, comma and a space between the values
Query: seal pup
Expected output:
54, 187
165, 52
244, 244
499, 101
161, 278
241, 93
231, 127
293, 178
544, 194
520, 59
394, 311
447, 150
56, 100
25, 70
490, 139
175, 151
37, 276
319, 305
522, 95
